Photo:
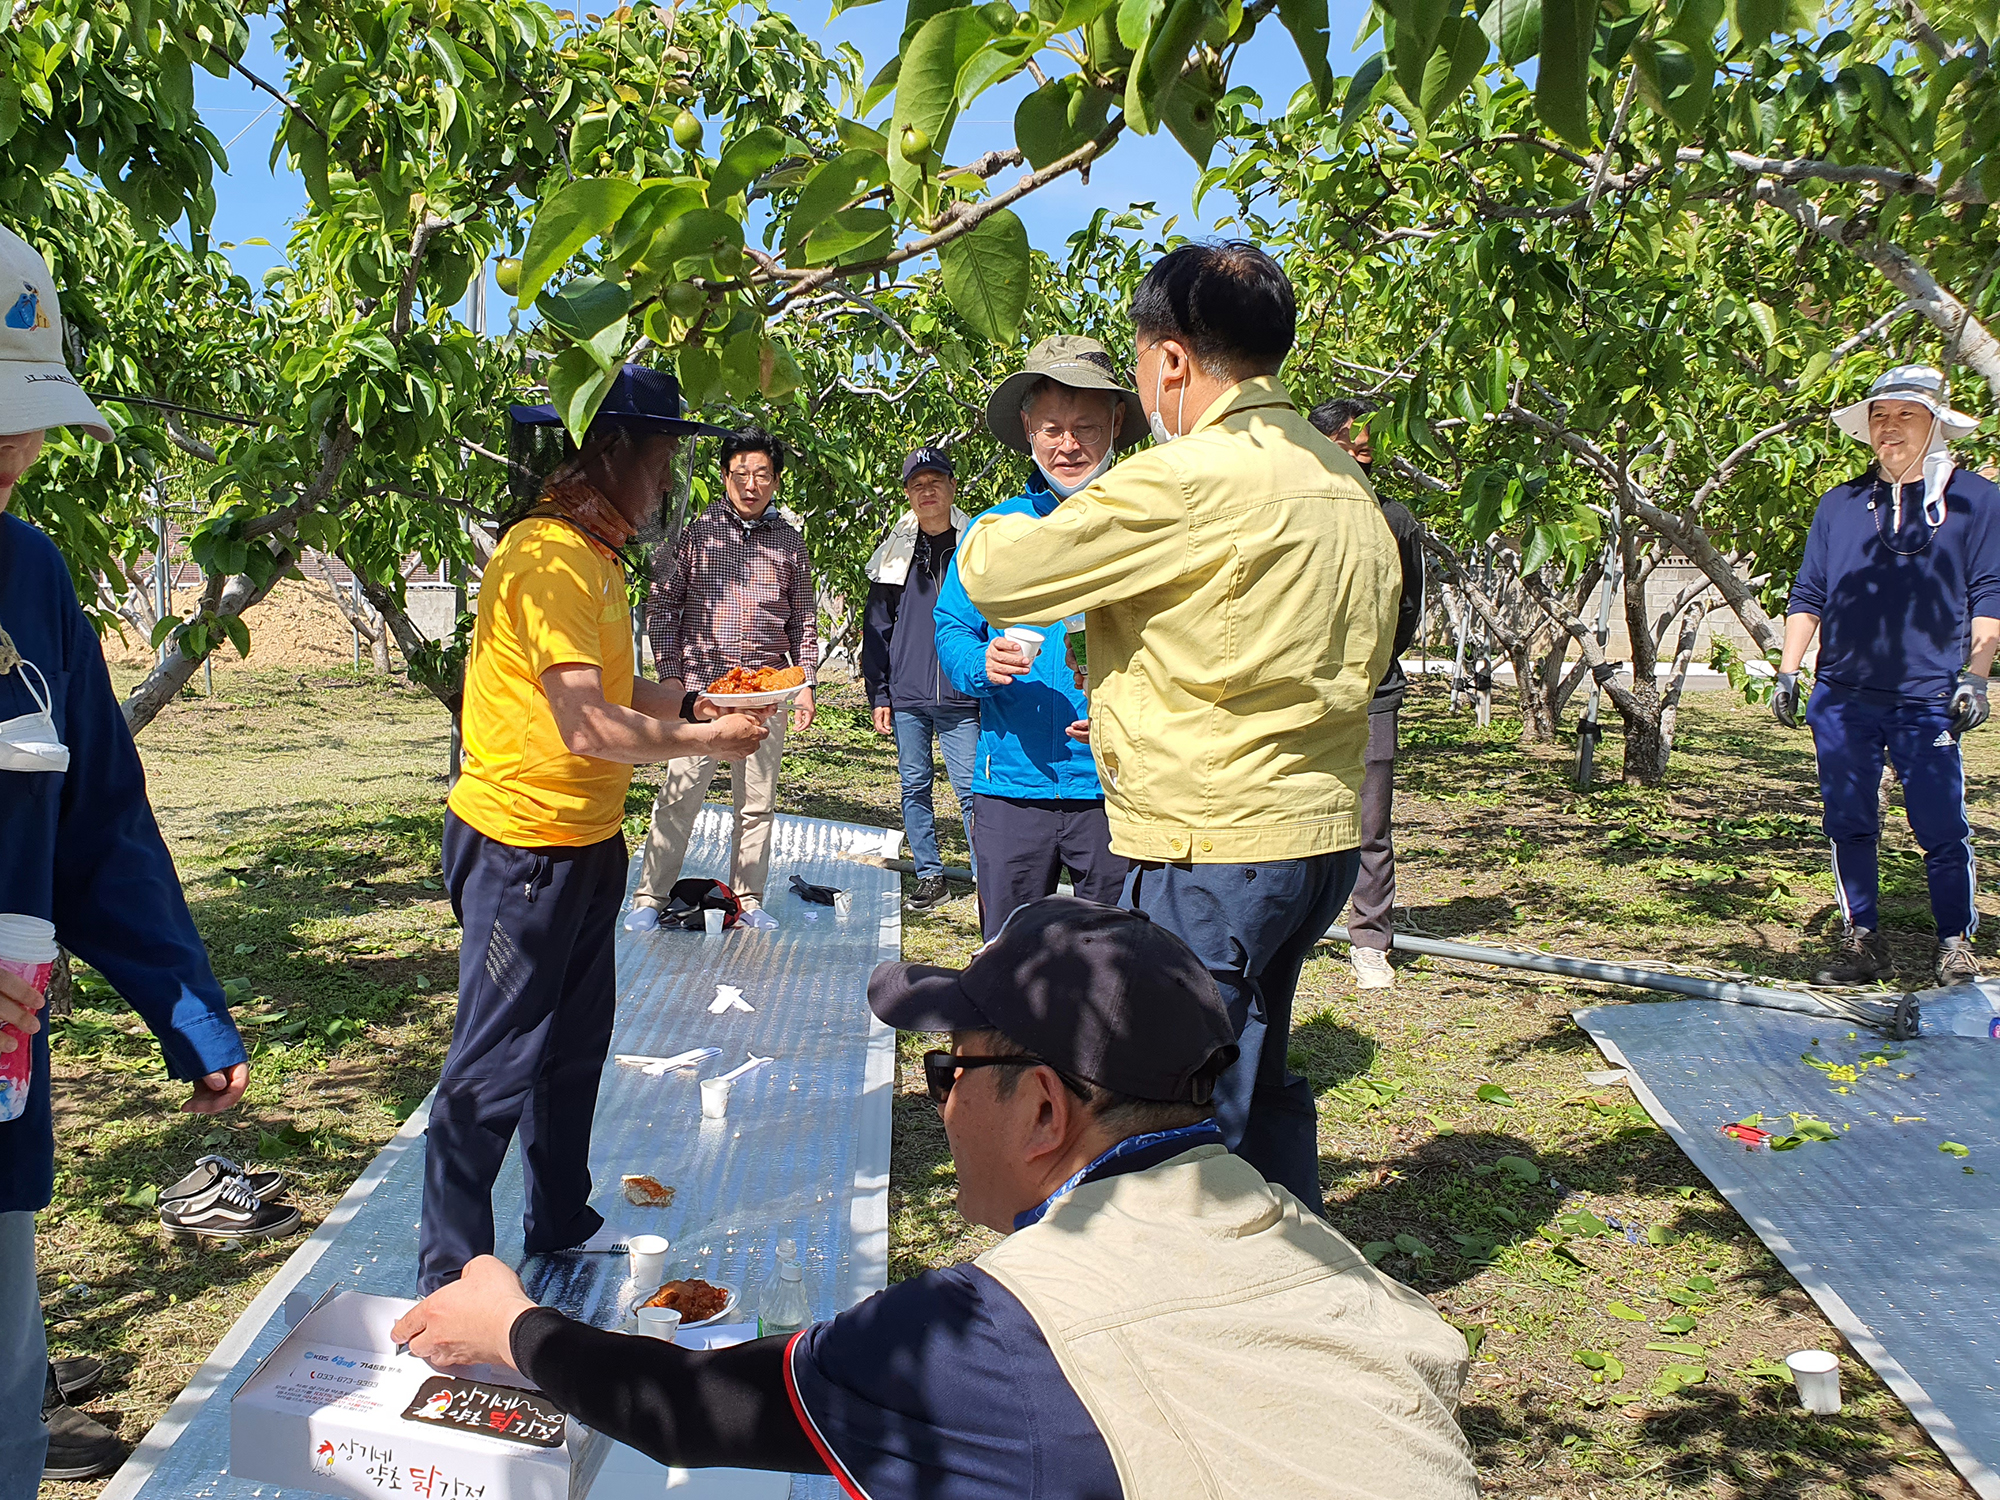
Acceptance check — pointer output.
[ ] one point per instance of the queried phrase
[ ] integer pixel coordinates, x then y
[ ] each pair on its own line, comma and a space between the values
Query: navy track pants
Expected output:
1850, 737
1253, 927
537, 991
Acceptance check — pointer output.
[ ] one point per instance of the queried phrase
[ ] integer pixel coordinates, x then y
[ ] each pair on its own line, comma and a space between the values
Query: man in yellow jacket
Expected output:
1241, 587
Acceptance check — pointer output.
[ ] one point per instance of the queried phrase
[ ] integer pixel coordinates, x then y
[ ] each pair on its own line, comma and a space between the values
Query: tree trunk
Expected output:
1647, 740
1538, 725
413, 644
61, 993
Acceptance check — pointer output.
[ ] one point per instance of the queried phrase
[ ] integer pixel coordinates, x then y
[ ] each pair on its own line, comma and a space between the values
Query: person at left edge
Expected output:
79, 848
534, 860
908, 691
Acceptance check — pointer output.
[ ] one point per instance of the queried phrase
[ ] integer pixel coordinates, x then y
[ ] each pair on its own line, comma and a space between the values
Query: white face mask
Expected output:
30, 743
1155, 420
1066, 490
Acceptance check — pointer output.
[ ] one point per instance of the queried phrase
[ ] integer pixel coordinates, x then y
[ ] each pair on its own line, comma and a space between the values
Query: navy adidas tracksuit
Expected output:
1895, 598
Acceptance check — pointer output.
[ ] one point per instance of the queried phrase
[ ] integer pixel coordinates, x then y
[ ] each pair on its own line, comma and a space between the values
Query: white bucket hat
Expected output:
36, 387
1919, 383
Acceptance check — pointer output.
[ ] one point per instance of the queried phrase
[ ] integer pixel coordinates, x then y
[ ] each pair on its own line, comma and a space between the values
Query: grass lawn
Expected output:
305, 813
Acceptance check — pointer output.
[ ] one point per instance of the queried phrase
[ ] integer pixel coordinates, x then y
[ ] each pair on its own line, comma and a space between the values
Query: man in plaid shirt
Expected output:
738, 592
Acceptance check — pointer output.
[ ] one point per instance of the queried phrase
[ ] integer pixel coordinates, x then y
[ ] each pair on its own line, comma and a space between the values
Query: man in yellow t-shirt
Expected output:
554, 719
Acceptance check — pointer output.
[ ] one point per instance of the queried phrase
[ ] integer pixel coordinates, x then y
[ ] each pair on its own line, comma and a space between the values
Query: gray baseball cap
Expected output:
1071, 360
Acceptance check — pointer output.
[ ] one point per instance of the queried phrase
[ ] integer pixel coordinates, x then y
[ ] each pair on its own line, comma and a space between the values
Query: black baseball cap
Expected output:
1096, 992
928, 457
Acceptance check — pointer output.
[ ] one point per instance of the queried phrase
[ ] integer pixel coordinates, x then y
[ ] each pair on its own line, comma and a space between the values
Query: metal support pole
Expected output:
354, 593
1887, 1011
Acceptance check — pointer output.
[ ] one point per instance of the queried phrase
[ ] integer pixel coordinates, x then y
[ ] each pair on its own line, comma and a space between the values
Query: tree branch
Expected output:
278, 94
420, 241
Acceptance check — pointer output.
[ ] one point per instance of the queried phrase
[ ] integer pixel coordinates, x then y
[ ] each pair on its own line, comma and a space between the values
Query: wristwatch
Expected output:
687, 706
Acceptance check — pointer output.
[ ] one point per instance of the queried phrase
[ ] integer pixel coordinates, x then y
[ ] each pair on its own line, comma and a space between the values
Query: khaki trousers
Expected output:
755, 789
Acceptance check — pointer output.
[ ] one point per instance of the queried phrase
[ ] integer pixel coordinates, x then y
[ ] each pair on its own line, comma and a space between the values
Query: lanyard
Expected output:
1195, 1135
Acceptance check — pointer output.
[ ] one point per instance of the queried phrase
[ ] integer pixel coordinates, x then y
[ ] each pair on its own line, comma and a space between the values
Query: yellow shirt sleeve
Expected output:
1124, 536
553, 598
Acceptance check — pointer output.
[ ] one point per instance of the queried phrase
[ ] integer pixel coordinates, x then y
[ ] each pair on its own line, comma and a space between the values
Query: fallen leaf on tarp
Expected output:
1952, 1148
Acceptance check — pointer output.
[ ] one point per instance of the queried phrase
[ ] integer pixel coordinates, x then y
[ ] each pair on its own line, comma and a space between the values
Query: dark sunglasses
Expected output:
941, 1070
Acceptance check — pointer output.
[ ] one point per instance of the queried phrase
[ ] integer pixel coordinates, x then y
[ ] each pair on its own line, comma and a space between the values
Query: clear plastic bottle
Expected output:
1963, 1010
784, 1307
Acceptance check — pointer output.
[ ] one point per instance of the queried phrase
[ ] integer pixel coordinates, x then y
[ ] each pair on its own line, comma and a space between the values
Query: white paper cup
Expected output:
1029, 640
1816, 1373
659, 1323
649, 1259
715, 1097
711, 921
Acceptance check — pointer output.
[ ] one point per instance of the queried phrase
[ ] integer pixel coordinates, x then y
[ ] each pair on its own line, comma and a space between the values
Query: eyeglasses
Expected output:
754, 476
1088, 434
941, 1070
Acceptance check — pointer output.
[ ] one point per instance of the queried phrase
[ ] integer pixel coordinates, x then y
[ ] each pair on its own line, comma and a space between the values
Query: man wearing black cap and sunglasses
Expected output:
1160, 1321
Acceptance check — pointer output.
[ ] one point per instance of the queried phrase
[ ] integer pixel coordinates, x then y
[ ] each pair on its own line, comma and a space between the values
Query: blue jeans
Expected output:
1851, 734
1253, 926
956, 731
24, 1362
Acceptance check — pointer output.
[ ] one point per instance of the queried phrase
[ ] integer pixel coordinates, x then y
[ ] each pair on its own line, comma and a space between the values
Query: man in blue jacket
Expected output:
1901, 581
81, 851
1037, 804
907, 689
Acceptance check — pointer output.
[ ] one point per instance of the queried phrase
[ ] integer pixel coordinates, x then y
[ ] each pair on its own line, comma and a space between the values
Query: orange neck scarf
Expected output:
584, 504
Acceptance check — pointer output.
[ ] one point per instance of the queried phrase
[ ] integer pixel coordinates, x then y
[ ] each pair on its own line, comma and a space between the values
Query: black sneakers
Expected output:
1955, 963
79, 1448
228, 1210
78, 1375
1862, 957
931, 891
211, 1170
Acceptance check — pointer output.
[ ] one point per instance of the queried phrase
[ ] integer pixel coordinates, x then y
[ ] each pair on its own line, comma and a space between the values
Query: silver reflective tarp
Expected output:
802, 1154
1891, 1236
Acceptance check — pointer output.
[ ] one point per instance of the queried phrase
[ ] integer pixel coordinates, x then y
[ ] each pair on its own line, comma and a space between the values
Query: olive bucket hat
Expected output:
1067, 359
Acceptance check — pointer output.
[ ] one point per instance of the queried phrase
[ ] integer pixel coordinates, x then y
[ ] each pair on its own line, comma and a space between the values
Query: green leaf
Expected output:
239, 637
1678, 1323
1676, 1346
927, 89
700, 372
1659, 1234
1623, 1313
743, 365
743, 163
1675, 1377
1067, 15
1515, 27
831, 187
702, 237
584, 307
1519, 1168
1374, 1250
1754, 21
882, 85
1451, 68
1562, 80
986, 275
566, 223
1410, 1245
1189, 114
1492, 1093
1361, 90
860, 138
848, 233
1676, 80
1156, 74
1766, 321
1136, 19
1953, 1148
1058, 118
577, 383
1541, 547
1306, 20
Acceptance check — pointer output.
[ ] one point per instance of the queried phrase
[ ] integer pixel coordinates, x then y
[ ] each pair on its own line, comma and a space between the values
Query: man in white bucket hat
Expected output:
1901, 581
82, 853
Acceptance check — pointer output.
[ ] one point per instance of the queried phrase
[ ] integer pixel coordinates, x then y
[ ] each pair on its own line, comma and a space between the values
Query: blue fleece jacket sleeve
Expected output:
961, 635
118, 903
1808, 595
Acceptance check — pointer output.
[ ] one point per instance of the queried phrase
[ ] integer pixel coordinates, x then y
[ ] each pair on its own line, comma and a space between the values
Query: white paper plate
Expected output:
632, 1318
754, 700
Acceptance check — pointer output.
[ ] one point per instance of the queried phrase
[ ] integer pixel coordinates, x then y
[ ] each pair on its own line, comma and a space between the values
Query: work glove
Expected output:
1968, 702
1785, 699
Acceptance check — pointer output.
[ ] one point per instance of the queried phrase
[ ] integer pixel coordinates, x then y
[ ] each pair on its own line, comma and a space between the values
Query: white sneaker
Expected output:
642, 919
1371, 969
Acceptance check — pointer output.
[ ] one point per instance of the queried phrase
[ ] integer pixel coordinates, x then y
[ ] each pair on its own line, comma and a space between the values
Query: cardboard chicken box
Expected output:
334, 1408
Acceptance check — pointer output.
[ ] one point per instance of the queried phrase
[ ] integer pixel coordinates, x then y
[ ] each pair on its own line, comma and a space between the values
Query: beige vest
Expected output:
1229, 1343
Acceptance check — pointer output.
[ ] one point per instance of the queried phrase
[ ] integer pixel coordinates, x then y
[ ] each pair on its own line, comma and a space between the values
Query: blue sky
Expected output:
254, 202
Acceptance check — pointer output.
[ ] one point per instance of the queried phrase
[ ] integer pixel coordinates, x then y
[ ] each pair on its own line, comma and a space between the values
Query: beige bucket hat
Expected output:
1071, 360
36, 387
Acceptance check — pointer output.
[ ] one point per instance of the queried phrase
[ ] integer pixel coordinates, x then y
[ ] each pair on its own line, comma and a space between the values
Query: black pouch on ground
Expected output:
691, 897
818, 895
